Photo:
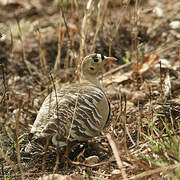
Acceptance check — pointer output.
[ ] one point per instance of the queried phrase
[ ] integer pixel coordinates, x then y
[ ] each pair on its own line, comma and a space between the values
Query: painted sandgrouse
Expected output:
76, 112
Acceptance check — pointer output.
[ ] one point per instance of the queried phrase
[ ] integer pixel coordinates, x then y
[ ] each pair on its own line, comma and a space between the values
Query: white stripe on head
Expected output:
99, 57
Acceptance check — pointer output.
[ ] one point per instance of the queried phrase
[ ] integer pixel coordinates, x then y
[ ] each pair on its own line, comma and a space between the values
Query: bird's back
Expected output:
75, 112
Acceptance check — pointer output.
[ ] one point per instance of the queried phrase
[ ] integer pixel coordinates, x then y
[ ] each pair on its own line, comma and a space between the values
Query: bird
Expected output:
75, 112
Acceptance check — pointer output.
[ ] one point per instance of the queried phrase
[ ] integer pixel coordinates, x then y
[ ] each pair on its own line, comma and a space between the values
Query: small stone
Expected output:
175, 24
91, 160
116, 173
158, 11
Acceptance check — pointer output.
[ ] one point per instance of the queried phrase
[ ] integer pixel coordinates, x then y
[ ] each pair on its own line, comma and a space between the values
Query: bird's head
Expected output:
93, 63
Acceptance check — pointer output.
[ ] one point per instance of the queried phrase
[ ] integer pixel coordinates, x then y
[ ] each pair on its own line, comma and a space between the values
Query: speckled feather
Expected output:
76, 112
79, 114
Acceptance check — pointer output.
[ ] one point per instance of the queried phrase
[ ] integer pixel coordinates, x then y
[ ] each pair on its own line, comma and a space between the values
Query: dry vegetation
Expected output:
40, 39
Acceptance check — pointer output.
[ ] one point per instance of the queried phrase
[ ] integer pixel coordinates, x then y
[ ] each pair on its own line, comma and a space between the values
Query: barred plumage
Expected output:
77, 111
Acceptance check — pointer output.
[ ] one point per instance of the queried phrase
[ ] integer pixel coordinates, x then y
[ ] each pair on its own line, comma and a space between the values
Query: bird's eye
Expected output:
95, 59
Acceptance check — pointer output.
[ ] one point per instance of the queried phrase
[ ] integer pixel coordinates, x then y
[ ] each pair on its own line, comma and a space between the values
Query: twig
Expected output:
84, 27
23, 50
67, 28
154, 171
58, 57
114, 70
58, 126
55, 170
17, 142
74, 115
165, 47
116, 155
4, 83
57, 106
100, 20
44, 155
130, 137
161, 81
41, 53
91, 165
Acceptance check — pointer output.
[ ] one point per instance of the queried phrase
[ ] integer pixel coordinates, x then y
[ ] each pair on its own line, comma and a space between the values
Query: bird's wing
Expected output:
76, 112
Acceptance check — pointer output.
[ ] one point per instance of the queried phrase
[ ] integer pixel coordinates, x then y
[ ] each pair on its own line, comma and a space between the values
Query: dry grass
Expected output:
143, 139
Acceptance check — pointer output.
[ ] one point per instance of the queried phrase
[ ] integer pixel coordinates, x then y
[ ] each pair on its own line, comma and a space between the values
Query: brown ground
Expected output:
41, 37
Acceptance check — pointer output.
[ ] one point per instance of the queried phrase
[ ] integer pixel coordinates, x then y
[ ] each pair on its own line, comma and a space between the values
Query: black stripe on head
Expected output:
102, 57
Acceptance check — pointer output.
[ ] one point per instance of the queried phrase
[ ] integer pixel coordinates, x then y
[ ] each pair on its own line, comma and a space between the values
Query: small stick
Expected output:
116, 155
23, 49
17, 143
4, 83
155, 171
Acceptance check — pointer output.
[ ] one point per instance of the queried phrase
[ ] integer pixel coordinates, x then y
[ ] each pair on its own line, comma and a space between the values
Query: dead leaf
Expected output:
141, 69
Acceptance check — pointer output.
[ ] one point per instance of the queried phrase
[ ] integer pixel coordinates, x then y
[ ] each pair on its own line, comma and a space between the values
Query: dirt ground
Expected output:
43, 41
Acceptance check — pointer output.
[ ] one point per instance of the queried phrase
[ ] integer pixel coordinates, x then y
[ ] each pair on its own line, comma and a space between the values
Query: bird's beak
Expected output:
110, 58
